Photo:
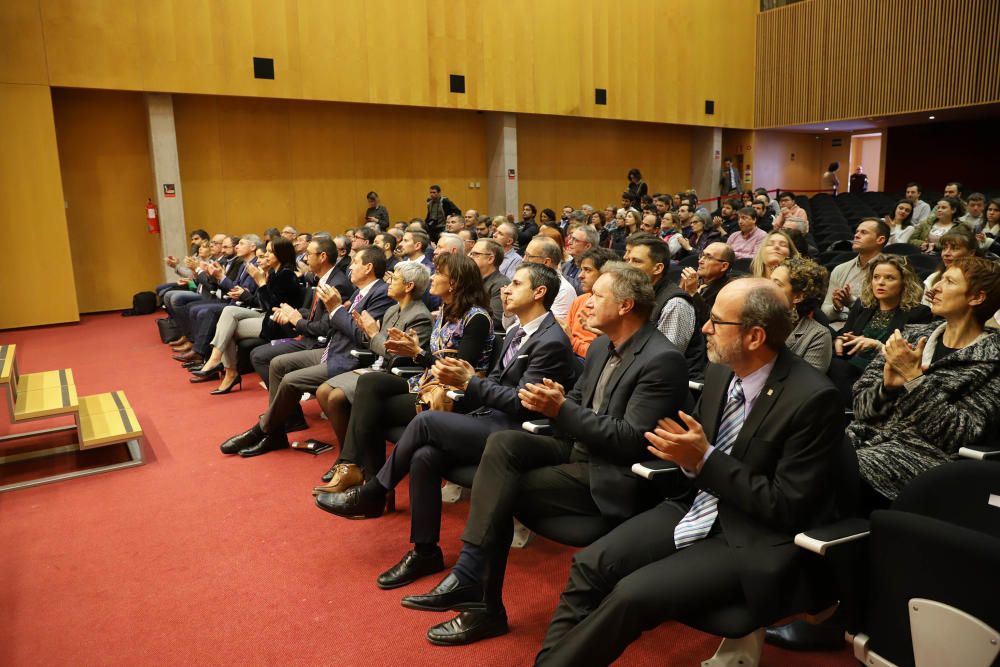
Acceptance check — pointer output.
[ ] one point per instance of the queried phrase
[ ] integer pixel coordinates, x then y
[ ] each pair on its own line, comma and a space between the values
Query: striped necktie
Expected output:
698, 521
515, 345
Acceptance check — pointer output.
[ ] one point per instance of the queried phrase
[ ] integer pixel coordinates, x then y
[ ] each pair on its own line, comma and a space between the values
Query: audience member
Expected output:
387, 243
958, 243
803, 283
469, 237
846, 279
439, 208
543, 250
581, 334
578, 241
704, 232
711, 276
858, 182
921, 209
987, 236
934, 389
776, 248
729, 178
974, 206
527, 228
929, 232
763, 213
413, 248
759, 481
747, 242
582, 471
376, 212
470, 218
506, 236
488, 255
890, 300
789, 209
900, 222
463, 327
636, 185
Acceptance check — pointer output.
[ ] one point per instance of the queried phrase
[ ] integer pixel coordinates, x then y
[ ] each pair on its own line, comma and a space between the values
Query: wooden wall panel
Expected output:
249, 164
23, 50
107, 177
517, 55
36, 284
576, 161
857, 59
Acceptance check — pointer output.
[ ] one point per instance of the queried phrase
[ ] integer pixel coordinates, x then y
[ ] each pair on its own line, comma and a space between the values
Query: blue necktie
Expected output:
699, 519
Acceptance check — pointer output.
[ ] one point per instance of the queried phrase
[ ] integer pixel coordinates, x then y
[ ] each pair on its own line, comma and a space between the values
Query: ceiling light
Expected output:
931, 117
826, 129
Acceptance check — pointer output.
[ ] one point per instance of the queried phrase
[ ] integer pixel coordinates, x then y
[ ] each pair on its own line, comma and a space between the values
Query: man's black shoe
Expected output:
410, 568
450, 594
351, 504
469, 627
270, 443
802, 636
243, 440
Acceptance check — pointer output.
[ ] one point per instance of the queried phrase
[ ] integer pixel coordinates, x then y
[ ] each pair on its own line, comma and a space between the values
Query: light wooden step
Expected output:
6, 362
107, 419
44, 394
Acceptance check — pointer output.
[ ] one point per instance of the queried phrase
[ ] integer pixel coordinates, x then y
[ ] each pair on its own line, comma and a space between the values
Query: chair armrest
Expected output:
652, 469
695, 386
455, 394
408, 371
364, 356
980, 452
819, 540
538, 427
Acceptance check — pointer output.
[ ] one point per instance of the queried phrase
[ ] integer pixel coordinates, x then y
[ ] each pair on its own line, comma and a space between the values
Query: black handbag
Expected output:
168, 329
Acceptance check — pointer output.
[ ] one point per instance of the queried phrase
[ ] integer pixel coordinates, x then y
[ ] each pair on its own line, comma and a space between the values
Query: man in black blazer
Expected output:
311, 325
293, 373
437, 440
632, 377
759, 450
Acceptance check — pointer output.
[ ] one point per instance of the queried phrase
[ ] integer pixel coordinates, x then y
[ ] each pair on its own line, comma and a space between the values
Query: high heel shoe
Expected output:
209, 371
238, 382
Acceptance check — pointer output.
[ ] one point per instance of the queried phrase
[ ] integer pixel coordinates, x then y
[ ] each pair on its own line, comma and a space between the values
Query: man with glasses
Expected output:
711, 276
487, 254
506, 236
579, 241
760, 452
543, 250
289, 233
362, 238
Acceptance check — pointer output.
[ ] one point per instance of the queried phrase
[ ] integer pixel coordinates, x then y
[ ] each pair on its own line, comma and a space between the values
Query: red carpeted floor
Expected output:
198, 558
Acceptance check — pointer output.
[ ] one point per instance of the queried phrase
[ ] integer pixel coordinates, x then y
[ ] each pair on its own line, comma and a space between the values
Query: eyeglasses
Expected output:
476, 253
705, 255
714, 322
529, 256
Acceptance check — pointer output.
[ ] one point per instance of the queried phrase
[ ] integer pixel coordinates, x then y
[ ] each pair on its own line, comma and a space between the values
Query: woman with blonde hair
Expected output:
776, 248
890, 299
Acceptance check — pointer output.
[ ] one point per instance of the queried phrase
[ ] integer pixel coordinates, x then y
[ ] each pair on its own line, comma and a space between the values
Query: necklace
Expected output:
881, 318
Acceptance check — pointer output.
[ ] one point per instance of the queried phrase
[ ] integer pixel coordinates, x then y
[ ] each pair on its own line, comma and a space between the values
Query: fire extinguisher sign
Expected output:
169, 192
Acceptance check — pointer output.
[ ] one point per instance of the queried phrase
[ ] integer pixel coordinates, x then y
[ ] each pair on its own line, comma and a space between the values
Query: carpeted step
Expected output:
44, 394
107, 419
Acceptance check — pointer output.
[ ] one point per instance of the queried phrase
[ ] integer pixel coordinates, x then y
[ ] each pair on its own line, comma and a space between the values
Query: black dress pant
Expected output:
527, 476
262, 355
381, 401
432, 443
633, 579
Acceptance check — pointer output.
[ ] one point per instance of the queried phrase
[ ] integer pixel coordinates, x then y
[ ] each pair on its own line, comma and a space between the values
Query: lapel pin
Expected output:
770, 392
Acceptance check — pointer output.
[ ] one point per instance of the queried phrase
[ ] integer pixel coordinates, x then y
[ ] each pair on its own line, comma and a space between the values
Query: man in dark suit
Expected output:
294, 373
437, 440
633, 376
311, 325
759, 450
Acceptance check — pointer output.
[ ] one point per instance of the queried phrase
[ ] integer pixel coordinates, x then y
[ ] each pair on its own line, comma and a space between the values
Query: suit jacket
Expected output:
812, 341
649, 383
415, 317
493, 284
314, 323
344, 335
547, 353
778, 479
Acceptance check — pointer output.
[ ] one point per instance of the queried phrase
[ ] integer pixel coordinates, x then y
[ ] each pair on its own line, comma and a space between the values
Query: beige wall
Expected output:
36, 284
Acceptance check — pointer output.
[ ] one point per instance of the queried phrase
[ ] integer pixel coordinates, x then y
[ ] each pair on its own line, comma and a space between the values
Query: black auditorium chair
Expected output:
906, 249
934, 584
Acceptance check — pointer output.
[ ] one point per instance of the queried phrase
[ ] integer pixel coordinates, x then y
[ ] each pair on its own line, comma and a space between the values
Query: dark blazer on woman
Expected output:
859, 316
281, 287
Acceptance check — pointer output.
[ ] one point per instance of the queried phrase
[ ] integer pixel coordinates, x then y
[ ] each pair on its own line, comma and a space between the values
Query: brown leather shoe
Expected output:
345, 475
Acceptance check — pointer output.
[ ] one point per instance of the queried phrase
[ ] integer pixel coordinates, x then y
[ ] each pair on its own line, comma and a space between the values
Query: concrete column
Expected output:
706, 161
166, 172
501, 152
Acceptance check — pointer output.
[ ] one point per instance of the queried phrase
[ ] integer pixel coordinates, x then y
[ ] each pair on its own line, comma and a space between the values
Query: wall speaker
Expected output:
263, 68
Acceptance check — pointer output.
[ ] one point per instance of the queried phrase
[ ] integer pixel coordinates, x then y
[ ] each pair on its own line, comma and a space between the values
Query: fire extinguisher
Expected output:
747, 177
152, 220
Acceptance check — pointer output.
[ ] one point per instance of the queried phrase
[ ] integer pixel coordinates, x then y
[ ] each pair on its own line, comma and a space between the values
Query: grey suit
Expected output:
811, 341
493, 284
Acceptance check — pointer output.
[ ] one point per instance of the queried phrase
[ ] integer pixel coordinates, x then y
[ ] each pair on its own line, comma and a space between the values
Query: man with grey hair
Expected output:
760, 451
584, 470
449, 243
579, 240
506, 236
487, 254
543, 250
